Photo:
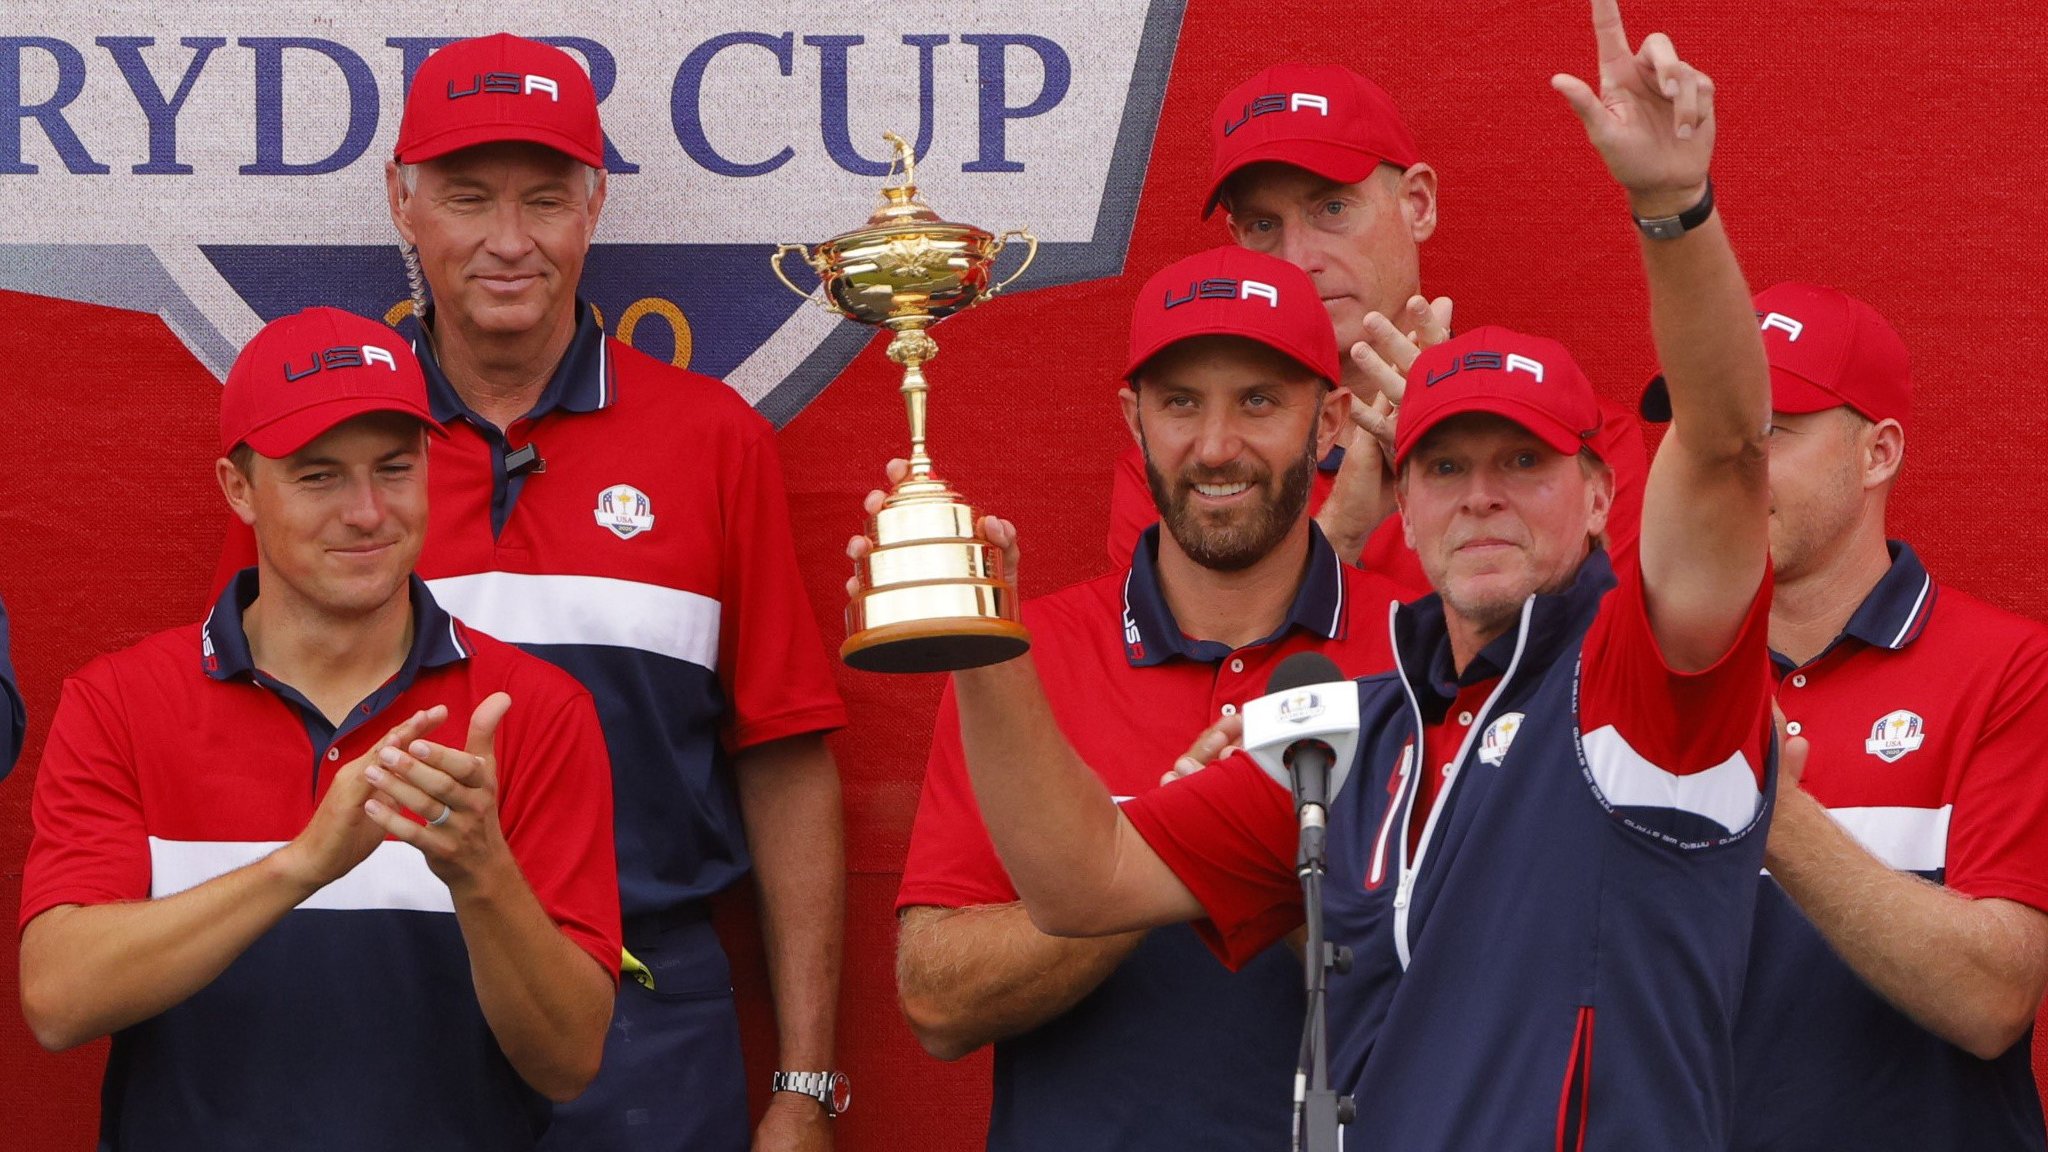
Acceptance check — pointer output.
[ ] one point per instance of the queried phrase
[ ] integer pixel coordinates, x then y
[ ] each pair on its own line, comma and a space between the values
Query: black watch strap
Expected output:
1672, 227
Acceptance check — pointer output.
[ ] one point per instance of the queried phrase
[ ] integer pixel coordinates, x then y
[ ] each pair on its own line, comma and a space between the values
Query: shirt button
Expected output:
334, 753
1230, 709
1792, 729
1236, 665
1799, 681
1464, 718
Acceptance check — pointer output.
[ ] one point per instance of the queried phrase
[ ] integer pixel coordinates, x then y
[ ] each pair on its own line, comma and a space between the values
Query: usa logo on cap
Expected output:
1233, 291
1323, 118
1530, 380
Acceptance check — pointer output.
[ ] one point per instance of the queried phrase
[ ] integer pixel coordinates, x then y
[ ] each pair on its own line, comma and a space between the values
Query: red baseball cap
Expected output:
1322, 117
1233, 291
1827, 350
305, 373
497, 88
1527, 379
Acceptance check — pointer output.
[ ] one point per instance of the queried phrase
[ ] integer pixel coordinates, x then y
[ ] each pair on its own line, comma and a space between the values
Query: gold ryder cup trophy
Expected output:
931, 594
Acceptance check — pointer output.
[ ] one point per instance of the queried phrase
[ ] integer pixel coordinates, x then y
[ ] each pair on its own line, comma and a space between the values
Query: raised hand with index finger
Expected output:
1652, 120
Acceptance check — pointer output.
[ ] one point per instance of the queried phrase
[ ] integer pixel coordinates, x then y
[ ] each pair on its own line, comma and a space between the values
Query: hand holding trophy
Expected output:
931, 592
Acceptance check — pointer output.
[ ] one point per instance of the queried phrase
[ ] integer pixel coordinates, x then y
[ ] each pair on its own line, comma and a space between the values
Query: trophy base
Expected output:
942, 645
930, 592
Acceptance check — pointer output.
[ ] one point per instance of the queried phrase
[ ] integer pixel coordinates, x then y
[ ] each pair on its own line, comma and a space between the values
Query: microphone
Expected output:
1304, 733
522, 460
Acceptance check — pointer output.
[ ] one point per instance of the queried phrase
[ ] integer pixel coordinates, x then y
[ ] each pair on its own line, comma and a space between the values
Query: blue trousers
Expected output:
672, 1079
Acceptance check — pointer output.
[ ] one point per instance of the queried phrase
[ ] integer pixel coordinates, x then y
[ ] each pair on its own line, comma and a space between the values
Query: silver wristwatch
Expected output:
829, 1089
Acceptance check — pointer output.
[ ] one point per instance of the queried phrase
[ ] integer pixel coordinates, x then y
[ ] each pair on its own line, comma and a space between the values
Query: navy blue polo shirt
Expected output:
353, 1022
1557, 959
1171, 1051
1923, 718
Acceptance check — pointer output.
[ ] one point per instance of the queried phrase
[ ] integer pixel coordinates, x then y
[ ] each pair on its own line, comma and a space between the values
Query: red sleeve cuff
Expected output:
1246, 941
606, 953
938, 893
1228, 834
2018, 889
34, 906
820, 718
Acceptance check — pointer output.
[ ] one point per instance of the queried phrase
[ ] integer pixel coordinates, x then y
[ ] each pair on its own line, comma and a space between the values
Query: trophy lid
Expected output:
906, 267
900, 203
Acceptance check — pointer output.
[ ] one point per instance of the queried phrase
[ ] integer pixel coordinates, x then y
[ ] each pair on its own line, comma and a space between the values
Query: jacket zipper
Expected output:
1404, 888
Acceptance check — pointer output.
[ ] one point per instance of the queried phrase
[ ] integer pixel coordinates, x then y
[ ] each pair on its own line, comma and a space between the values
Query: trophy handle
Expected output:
775, 262
1030, 254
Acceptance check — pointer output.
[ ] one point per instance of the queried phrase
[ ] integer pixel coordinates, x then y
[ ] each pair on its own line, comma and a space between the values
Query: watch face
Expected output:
842, 1093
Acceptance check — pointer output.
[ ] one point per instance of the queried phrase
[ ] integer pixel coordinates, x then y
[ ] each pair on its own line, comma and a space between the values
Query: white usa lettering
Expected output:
1783, 323
1532, 367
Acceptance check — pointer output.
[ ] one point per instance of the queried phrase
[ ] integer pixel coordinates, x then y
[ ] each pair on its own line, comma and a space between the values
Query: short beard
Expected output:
1234, 548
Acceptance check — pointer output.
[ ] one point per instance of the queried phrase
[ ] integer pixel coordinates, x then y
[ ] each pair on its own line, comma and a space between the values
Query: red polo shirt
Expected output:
1924, 719
644, 546
1131, 691
353, 1021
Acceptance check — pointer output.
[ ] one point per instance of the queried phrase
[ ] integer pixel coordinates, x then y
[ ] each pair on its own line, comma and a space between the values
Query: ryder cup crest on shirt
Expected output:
222, 165
1894, 735
1498, 737
624, 510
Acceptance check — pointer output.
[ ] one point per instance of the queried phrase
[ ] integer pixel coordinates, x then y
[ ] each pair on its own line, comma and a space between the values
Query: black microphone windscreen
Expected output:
1303, 669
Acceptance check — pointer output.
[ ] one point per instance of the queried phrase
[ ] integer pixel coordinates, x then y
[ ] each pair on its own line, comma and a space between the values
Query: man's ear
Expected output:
596, 206
1884, 453
1332, 420
395, 197
1600, 486
1129, 398
1416, 191
235, 486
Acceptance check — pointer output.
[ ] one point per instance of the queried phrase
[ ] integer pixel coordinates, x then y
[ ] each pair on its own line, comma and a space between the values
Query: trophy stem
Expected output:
911, 347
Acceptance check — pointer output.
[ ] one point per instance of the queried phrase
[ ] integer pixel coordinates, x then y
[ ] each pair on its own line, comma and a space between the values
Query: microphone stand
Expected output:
1318, 1110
